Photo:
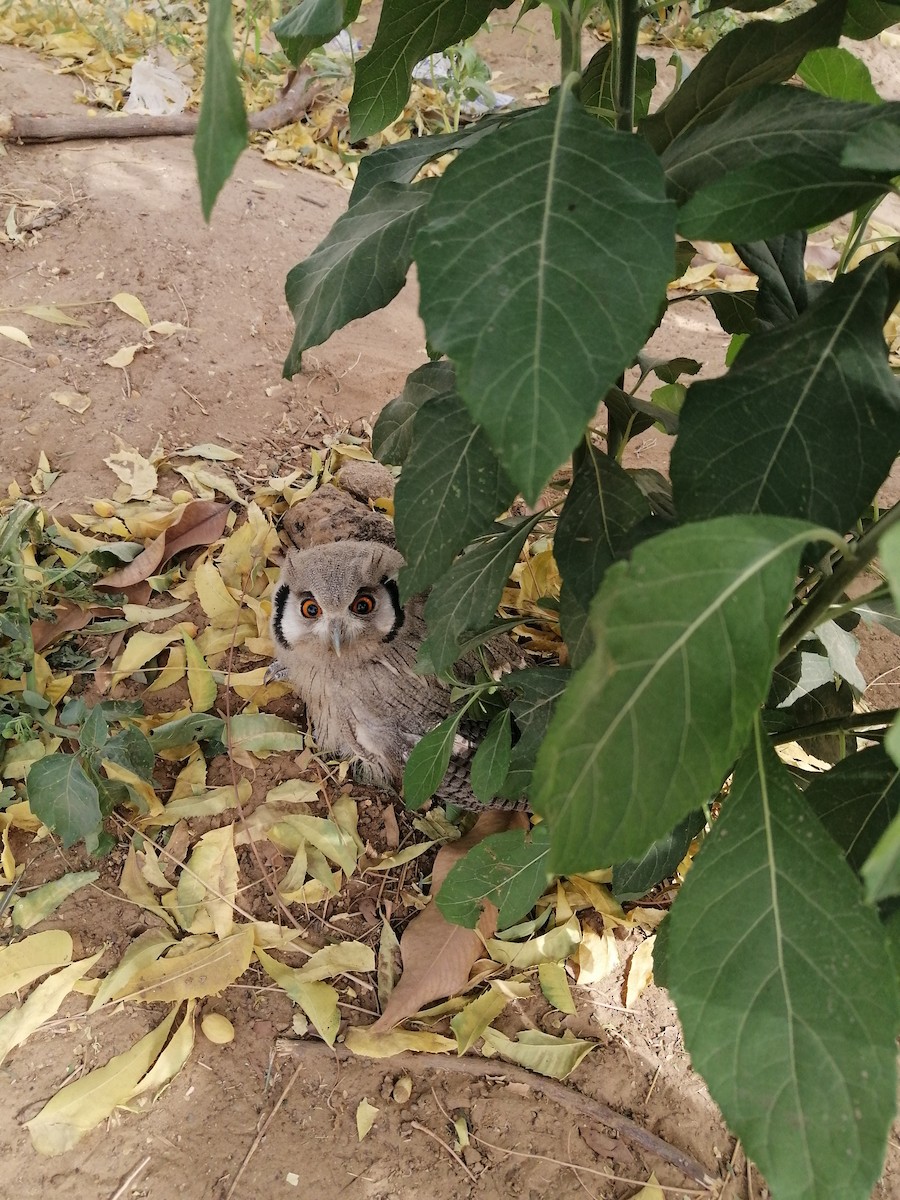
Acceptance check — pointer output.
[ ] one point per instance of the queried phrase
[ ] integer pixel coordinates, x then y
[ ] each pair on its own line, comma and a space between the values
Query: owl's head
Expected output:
338, 598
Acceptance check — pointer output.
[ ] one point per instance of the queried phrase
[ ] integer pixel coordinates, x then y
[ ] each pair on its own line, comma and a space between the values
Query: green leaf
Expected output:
876, 147
834, 71
791, 191
359, 267
758, 52
43, 901
491, 761
95, 730
222, 127
534, 692
755, 440
131, 749
786, 992
782, 291
866, 18
686, 635
635, 877
63, 797
735, 311
194, 728
761, 126
596, 86
451, 488
408, 31
466, 597
601, 508
312, 23
881, 870
392, 435
428, 762
510, 870
548, 209
856, 801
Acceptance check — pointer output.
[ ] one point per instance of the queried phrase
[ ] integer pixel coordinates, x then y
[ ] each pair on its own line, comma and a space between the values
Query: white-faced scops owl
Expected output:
349, 647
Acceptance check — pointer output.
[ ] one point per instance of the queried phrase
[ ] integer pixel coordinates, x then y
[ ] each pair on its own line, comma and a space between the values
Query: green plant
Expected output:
544, 254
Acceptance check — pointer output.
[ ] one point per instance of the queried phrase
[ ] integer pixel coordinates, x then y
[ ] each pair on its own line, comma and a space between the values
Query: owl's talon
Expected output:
276, 672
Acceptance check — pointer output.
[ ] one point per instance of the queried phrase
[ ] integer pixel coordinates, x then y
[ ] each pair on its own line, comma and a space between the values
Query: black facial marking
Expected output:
278, 602
399, 615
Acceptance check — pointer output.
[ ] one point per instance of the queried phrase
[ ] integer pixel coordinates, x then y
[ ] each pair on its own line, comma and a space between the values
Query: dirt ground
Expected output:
132, 223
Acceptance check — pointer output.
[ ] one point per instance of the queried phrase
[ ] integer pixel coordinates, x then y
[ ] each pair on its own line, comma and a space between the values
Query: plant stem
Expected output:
862, 721
625, 27
832, 589
570, 39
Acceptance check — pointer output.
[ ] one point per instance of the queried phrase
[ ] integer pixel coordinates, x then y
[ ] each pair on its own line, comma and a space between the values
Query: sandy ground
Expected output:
133, 224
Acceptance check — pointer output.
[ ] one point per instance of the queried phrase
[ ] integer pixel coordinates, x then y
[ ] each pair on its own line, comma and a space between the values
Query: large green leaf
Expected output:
786, 992
534, 692
857, 800
877, 146
806, 423
392, 434
222, 126
63, 797
792, 191
428, 761
521, 272
451, 488
466, 597
311, 23
602, 506
491, 762
648, 728
507, 869
360, 266
408, 31
866, 18
764, 125
834, 71
782, 293
758, 52
881, 870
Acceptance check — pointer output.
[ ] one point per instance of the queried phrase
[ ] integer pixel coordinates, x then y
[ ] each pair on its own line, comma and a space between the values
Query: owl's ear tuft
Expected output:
386, 562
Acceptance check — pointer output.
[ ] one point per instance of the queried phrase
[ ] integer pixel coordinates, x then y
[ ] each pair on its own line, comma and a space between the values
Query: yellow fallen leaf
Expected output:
125, 356
136, 472
215, 599
597, 956
134, 886
52, 314
201, 685
40, 903
15, 335
469, 1024
172, 672
204, 972
23, 962
208, 884
141, 789
83, 1105
245, 552
553, 1056
166, 328
640, 971
317, 999
208, 804
172, 1059
145, 949
132, 307
43, 1003
140, 649
360, 1040
555, 986
211, 451
365, 1118
652, 1190
76, 401
554, 946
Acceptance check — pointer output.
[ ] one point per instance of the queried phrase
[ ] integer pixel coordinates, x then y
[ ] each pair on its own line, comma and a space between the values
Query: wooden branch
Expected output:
293, 103
557, 1093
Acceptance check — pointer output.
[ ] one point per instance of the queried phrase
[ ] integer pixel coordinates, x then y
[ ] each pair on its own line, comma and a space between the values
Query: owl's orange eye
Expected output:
310, 609
363, 604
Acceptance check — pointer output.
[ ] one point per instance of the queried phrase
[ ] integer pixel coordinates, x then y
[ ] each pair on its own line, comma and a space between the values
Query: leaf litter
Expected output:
147, 673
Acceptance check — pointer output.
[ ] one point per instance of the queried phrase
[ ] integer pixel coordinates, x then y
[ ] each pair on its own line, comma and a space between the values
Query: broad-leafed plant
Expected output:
703, 622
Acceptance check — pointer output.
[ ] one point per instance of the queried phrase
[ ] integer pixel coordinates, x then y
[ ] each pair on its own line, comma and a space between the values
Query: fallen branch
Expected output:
558, 1093
294, 102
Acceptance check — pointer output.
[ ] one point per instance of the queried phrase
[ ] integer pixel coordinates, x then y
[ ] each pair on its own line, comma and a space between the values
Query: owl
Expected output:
348, 647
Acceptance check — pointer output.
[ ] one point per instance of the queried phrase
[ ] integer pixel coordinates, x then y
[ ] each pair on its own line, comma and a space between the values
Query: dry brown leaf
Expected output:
202, 522
146, 564
70, 617
438, 956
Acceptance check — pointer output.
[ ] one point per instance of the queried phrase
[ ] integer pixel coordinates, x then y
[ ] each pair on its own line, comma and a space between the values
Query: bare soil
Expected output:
132, 223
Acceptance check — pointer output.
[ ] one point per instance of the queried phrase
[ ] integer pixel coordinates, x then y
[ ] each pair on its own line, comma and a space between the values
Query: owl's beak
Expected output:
336, 639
